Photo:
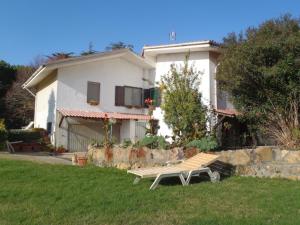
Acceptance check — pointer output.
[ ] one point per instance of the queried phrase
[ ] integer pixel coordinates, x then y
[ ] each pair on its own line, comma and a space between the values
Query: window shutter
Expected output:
119, 96
155, 95
93, 93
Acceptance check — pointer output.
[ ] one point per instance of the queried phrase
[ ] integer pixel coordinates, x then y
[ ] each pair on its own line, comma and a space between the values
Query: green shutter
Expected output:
155, 95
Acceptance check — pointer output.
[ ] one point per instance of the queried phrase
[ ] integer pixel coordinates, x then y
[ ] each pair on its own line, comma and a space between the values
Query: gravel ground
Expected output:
40, 157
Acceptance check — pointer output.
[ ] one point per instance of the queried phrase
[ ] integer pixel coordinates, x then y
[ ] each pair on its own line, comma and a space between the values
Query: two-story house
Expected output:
73, 96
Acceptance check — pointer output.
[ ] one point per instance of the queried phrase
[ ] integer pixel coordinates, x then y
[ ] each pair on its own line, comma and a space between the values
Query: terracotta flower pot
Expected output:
81, 160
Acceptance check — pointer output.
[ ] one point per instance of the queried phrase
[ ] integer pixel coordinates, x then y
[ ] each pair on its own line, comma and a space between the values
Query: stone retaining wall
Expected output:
261, 161
126, 158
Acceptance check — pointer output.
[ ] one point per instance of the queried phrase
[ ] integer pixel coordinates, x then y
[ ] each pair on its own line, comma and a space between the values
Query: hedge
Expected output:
33, 135
3, 133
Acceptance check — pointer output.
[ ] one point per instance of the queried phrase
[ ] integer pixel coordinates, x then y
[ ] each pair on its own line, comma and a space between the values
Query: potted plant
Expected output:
81, 160
60, 150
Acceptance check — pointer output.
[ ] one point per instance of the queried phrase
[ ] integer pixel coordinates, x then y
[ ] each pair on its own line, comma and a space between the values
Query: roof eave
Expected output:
33, 76
143, 61
75, 61
179, 48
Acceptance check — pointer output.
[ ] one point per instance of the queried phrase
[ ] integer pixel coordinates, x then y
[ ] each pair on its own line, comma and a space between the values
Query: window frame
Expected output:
90, 100
141, 97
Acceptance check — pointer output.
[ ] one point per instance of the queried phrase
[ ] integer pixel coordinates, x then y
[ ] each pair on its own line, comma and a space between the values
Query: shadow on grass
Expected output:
172, 181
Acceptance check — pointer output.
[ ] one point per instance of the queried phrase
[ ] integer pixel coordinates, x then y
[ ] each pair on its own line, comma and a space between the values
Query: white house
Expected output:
73, 95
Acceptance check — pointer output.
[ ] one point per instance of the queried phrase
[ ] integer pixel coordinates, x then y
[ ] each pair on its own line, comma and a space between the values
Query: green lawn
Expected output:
46, 194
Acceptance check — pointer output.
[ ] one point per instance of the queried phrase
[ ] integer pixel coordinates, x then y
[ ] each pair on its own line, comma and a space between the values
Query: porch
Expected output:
75, 129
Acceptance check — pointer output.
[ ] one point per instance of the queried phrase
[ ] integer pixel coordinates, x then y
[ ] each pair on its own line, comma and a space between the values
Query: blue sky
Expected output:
40, 27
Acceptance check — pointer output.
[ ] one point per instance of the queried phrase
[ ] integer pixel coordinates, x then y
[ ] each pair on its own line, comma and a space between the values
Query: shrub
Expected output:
101, 143
154, 141
126, 143
97, 143
34, 135
3, 133
183, 110
204, 144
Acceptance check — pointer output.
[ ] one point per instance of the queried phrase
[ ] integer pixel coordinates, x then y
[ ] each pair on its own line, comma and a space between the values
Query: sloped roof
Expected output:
102, 115
46, 69
227, 112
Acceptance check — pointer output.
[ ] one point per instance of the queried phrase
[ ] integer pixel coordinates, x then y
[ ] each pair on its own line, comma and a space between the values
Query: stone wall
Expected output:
263, 162
126, 158
260, 162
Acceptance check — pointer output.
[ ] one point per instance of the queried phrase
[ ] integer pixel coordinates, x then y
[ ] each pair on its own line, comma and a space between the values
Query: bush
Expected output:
204, 144
126, 143
97, 143
34, 135
153, 142
3, 133
183, 110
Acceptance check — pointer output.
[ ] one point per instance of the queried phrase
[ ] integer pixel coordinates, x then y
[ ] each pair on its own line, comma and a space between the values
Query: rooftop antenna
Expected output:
172, 36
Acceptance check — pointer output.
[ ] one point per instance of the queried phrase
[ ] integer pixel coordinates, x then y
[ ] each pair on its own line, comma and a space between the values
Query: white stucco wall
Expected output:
200, 61
45, 102
67, 88
72, 84
72, 88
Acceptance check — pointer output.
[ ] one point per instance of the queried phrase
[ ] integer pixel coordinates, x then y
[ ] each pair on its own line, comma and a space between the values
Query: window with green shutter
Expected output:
155, 95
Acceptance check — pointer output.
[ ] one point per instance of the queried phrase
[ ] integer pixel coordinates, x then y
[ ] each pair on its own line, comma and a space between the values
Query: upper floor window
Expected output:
133, 96
154, 95
93, 93
129, 96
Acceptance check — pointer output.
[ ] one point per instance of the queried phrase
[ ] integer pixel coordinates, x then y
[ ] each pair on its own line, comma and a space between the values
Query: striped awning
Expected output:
102, 115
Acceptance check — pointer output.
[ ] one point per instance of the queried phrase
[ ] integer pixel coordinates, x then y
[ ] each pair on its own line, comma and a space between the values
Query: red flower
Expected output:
149, 101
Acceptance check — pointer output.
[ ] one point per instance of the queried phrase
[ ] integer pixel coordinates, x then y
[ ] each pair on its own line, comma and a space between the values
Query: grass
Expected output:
50, 194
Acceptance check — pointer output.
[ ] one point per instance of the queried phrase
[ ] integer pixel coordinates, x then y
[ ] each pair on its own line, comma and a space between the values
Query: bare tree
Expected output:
59, 55
19, 104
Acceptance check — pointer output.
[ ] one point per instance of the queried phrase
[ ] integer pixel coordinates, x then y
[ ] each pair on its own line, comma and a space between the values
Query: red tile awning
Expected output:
227, 112
102, 115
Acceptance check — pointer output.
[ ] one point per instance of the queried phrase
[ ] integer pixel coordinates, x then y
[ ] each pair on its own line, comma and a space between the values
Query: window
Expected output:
133, 96
128, 96
119, 96
49, 127
93, 93
154, 94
